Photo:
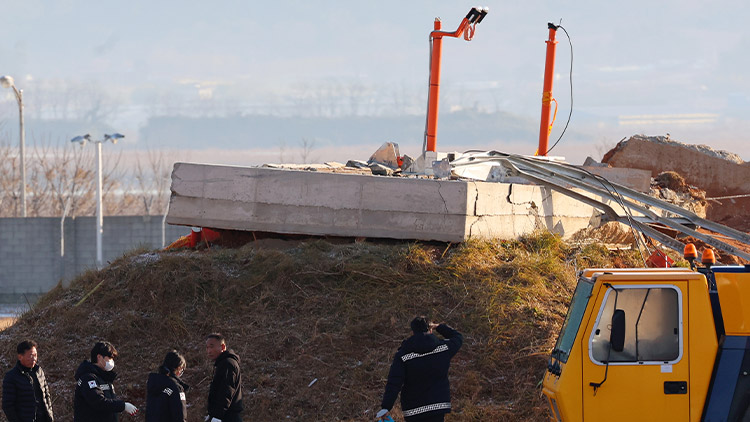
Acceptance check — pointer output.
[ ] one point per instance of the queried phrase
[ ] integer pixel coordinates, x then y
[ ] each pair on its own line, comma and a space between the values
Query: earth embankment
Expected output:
316, 324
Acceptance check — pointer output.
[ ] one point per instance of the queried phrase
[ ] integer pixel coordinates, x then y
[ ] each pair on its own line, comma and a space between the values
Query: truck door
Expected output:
647, 372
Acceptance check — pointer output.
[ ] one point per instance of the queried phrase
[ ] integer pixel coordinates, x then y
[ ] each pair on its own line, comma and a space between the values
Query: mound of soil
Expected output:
317, 311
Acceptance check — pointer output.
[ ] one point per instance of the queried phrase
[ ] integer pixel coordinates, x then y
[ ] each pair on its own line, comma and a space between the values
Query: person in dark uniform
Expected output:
225, 392
420, 372
165, 391
25, 392
95, 399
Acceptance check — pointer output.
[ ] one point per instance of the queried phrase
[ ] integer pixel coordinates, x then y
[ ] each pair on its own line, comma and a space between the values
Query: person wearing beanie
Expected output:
165, 391
420, 372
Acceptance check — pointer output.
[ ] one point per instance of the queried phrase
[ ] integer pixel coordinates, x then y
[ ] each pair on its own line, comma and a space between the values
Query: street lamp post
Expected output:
7, 82
99, 217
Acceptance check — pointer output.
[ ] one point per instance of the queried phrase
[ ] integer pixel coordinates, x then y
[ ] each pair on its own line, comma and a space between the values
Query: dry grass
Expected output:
335, 313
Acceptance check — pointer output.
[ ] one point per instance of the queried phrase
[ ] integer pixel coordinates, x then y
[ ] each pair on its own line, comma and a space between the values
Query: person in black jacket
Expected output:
95, 399
225, 392
165, 392
420, 372
25, 392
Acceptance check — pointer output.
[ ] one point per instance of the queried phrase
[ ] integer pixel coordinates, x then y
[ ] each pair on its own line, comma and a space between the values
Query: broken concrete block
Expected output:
441, 169
357, 164
386, 155
406, 162
719, 173
590, 162
637, 179
380, 170
423, 163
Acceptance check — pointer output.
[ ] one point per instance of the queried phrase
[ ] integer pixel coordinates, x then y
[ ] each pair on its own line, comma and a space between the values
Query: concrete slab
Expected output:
314, 203
719, 173
637, 179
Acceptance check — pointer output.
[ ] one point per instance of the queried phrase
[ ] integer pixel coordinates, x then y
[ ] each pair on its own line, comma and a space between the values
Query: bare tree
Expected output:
152, 175
306, 148
604, 145
282, 150
9, 178
69, 176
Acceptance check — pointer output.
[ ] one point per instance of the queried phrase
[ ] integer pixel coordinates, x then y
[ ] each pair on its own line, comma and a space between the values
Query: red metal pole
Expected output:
549, 71
465, 29
434, 93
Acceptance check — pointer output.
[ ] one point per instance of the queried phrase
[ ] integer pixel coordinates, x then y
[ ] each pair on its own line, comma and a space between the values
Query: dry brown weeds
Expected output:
335, 313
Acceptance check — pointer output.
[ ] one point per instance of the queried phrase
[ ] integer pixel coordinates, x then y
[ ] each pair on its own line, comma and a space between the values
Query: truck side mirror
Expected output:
617, 335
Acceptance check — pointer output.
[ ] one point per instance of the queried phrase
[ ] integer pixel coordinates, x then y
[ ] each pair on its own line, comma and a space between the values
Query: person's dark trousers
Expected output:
232, 417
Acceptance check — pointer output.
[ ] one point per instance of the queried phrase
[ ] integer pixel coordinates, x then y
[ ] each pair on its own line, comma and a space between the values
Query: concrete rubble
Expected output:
720, 174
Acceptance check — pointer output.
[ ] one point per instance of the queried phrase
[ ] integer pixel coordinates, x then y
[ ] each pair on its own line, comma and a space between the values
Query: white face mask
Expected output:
109, 365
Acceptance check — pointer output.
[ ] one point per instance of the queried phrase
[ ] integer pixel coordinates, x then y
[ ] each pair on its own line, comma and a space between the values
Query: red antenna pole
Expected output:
545, 126
465, 29
434, 94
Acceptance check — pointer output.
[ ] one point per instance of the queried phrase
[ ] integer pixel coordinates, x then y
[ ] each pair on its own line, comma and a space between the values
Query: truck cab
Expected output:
653, 344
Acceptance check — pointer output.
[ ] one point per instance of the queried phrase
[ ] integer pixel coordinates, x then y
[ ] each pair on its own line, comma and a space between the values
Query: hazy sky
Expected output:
640, 67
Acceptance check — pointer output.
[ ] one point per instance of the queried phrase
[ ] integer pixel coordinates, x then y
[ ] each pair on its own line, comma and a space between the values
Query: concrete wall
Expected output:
315, 203
30, 249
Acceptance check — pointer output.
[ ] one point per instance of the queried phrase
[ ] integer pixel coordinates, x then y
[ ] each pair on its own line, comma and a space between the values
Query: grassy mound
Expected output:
318, 311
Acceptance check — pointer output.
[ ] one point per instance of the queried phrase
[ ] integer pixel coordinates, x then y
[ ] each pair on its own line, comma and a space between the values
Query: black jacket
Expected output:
420, 372
225, 393
165, 398
19, 400
95, 399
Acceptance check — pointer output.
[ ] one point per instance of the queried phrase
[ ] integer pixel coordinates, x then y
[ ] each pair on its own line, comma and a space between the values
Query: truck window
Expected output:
652, 325
572, 322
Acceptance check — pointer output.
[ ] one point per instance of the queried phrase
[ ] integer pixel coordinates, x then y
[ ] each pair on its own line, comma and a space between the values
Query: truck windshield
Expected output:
573, 319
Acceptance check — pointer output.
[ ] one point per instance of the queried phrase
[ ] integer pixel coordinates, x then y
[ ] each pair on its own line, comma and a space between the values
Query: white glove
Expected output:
215, 420
132, 410
381, 413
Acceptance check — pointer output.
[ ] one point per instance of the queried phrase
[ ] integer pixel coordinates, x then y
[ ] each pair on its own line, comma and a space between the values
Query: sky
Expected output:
675, 67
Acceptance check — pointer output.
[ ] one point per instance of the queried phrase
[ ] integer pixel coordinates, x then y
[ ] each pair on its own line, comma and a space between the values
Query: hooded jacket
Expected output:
165, 398
420, 371
95, 399
19, 397
225, 392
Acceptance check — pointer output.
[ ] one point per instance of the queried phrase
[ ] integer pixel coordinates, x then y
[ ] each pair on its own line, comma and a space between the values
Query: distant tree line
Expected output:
62, 180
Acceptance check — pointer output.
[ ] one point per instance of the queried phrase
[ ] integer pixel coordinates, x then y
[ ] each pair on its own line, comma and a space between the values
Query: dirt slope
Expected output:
335, 313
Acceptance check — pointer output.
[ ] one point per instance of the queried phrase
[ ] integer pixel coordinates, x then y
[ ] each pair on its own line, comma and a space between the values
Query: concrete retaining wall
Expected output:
314, 203
30, 250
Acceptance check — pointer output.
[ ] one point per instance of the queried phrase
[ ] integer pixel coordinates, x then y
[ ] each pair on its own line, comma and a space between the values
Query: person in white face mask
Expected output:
95, 399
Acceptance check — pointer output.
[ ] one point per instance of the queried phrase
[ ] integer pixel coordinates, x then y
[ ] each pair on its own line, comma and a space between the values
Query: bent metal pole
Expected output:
545, 127
465, 29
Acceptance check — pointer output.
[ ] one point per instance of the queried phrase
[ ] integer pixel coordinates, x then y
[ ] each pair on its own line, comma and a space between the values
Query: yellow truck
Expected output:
654, 345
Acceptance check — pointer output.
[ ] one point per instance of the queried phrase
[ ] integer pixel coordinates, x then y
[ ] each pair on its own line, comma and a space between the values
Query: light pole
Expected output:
99, 218
7, 82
